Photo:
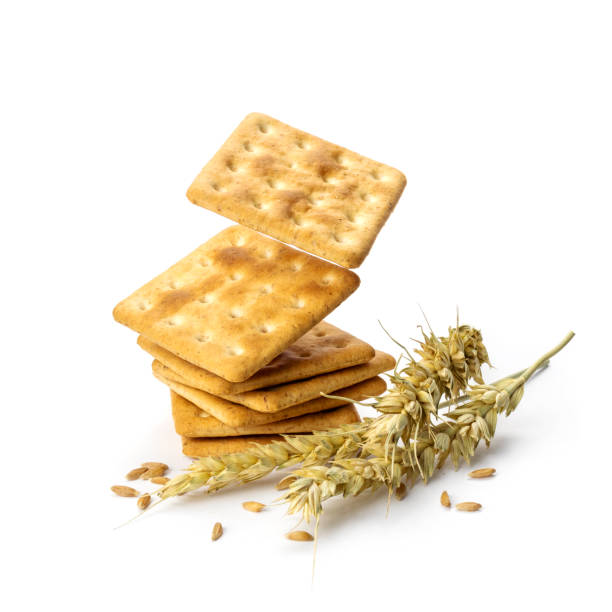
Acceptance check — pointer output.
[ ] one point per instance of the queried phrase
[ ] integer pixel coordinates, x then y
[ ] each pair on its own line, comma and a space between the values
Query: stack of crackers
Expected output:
236, 328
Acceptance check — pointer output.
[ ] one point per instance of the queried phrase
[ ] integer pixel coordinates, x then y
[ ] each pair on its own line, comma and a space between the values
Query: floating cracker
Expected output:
191, 422
281, 397
236, 302
236, 415
300, 189
324, 348
207, 447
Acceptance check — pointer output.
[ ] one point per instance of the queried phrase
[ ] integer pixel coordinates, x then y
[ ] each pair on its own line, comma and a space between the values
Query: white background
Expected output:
499, 115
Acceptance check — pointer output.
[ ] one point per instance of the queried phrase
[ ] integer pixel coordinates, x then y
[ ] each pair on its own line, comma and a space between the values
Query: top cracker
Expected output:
300, 189
236, 302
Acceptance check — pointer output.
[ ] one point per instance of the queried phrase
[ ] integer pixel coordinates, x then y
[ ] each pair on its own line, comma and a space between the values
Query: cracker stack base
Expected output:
229, 421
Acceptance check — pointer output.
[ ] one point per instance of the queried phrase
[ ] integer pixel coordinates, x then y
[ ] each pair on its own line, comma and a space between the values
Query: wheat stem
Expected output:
526, 375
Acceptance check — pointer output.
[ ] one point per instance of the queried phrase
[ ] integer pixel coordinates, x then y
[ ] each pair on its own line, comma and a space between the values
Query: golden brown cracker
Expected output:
281, 397
191, 422
236, 302
236, 415
324, 348
300, 189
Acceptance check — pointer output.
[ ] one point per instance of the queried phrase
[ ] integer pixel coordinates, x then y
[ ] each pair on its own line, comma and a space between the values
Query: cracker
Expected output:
236, 415
192, 422
236, 302
324, 348
273, 399
300, 189
208, 447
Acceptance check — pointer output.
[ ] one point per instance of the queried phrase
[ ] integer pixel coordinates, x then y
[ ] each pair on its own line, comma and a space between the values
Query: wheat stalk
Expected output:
458, 435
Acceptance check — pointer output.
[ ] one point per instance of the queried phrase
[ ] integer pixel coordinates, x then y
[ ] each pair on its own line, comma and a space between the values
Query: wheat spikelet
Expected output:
345, 477
454, 359
218, 472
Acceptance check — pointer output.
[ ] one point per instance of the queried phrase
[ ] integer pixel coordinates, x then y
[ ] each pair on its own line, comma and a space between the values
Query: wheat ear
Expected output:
235, 468
459, 435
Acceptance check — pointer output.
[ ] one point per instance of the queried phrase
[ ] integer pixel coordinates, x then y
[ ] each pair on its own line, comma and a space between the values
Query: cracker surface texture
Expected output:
196, 412
300, 189
324, 348
236, 302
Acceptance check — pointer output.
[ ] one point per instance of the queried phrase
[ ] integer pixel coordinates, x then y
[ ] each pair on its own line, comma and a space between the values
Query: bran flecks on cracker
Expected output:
236, 302
300, 189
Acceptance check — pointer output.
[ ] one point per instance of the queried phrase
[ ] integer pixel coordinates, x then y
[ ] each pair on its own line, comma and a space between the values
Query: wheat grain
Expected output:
468, 506
253, 506
160, 480
445, 499
155, 465
300, 536
135, 473
154, 472
482, 473
144, 501
123, 491
217, 531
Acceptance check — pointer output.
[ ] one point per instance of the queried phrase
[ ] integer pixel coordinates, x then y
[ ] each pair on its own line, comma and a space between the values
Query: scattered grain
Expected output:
468, 506
217, 531
300, 536
445, 499
144, 501
123, 491
482, 473
135, 473
253, 506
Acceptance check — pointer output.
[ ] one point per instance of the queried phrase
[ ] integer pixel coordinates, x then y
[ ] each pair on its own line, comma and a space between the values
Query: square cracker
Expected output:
191, 422
236, 415
211, 447
236, 302
281, 397
324, 348
300, 189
